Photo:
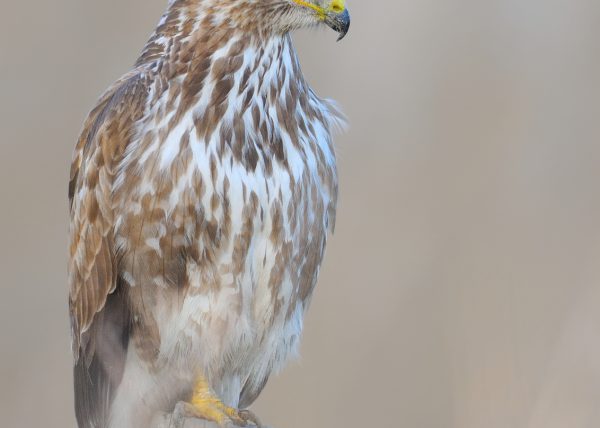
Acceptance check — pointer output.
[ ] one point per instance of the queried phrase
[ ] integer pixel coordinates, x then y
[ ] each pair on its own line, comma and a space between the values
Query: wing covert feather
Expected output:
110, 127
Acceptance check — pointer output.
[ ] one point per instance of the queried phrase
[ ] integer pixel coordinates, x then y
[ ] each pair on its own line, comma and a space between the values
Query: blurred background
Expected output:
461, 289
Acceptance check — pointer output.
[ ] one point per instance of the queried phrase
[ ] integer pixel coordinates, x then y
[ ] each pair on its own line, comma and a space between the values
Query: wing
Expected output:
97, 302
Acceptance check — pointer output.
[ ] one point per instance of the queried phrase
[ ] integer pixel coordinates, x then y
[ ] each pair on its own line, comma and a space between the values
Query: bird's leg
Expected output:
206, 405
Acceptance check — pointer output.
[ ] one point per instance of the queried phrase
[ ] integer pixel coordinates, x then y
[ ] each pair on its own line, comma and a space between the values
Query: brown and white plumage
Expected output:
202, 190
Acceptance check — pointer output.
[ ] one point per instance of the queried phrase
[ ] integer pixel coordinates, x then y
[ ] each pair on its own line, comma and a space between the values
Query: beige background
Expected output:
462, 287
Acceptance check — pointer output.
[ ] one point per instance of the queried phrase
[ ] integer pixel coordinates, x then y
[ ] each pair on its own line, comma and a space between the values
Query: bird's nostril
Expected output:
338, 6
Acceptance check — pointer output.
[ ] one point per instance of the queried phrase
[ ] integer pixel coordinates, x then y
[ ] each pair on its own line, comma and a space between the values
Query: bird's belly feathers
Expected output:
256, 266
224, 253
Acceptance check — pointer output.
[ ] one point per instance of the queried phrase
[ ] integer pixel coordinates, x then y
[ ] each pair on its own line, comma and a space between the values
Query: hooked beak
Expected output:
339, 22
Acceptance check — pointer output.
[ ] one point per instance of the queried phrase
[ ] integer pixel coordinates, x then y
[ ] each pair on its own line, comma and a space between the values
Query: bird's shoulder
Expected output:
110, 123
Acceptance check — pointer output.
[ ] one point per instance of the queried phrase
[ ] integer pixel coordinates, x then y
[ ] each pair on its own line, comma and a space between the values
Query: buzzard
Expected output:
202, 191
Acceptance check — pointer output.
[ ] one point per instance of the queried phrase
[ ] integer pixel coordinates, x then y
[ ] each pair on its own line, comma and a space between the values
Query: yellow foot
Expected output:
205, 405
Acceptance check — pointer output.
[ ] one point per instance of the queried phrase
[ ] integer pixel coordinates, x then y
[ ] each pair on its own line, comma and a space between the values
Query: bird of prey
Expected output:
202, 192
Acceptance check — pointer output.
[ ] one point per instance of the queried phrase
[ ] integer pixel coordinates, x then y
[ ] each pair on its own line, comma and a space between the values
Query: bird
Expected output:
202, 194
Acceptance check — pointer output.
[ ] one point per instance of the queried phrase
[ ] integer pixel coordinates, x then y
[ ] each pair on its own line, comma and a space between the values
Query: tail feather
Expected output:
98, 369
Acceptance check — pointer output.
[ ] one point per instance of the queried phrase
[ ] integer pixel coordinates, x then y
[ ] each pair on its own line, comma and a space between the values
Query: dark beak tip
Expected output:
343, 34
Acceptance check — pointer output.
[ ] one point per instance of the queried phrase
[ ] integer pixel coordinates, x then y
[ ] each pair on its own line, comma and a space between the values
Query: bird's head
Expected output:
303, 13
277, 16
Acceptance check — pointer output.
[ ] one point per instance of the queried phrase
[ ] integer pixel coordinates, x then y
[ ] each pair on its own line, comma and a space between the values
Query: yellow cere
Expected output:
336, 6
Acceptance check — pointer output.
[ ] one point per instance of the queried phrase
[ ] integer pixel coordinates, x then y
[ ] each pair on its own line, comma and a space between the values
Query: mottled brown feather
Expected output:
100, 148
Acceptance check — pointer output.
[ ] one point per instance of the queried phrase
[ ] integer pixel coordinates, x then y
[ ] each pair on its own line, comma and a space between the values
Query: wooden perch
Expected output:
177, 420
171, 421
